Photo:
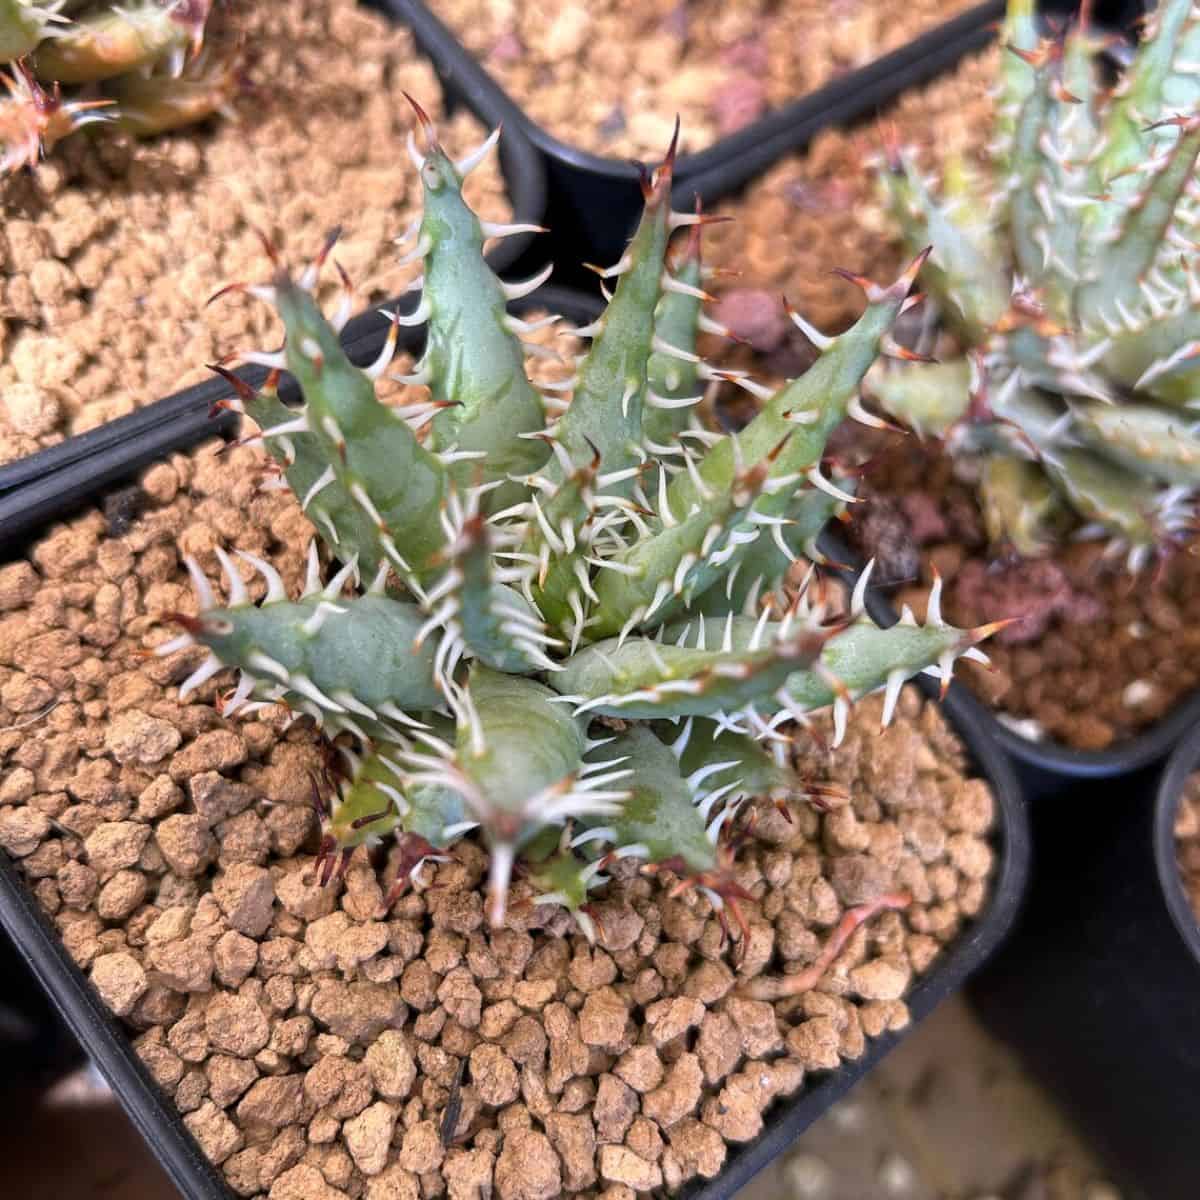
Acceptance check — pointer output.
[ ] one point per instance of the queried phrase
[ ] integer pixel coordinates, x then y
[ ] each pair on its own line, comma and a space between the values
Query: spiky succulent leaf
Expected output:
473, 361
112, 39
23, 24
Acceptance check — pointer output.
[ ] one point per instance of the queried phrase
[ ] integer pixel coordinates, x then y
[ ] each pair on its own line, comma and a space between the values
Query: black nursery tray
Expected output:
26, 512
595, 201
525, 182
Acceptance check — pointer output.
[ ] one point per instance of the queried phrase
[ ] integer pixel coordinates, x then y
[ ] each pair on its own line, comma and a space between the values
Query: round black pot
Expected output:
27, 510
1047, 768
1099, 988
525, 182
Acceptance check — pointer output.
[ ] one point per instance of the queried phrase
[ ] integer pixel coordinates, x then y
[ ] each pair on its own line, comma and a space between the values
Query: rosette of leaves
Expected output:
147, 65
566, 620
1068, 271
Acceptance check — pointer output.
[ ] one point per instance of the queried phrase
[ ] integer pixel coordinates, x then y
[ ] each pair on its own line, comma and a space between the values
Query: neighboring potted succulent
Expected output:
1064, 396
566, 682
153, 65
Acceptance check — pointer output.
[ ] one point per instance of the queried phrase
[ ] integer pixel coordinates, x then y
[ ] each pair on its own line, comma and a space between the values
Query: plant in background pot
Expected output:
554, 681
149, 67
1067, 279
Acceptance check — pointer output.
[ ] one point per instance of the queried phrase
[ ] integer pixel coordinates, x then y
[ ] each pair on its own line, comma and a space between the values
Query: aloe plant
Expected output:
562, 617
1067, 271
149, 57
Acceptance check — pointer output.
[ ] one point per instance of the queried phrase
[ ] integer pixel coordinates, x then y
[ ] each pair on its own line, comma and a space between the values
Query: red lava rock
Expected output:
274, 1102
216, 1134
1035, 590
668, 1019
469, 1174
679, 1093
421, 1150
574, 1138
217, 750
493, 1075
357, 1011
135, 737
603, 1020
700, 1148
614, 1109
619, 1164
756, 316
236, 1024
228, 1078
391, 1065
186, 844
739, 103
246, 895
120, 980
640, 1067
113, 846
303, 1182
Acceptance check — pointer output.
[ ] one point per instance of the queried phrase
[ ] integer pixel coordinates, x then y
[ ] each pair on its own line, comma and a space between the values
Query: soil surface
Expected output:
821, 209
1187, 840
111, 247
1097, 655
610, 76
312, 1040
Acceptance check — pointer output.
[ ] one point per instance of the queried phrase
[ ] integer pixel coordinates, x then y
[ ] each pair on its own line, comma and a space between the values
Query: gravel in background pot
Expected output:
112, 246
595, 200
609, 78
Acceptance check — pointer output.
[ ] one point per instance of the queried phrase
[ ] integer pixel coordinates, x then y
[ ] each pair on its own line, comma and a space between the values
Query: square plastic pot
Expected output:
27, 511
595, 201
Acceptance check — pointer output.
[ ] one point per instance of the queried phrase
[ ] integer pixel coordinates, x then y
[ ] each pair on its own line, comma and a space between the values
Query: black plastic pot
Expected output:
595, 201
29, 509
525, 180
1099, 988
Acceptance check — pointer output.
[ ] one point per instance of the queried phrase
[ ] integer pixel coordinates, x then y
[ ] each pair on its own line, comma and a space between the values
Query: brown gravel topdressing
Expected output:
1098, 654
1187, 840
610, 75
310, 1039
111, 247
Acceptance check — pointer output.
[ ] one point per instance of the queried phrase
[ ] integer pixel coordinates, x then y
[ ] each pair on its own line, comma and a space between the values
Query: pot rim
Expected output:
855, 92
1182, 763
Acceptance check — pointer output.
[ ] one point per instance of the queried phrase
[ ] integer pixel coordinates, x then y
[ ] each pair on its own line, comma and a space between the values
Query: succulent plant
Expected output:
1069, 275
149, 59
578, 633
